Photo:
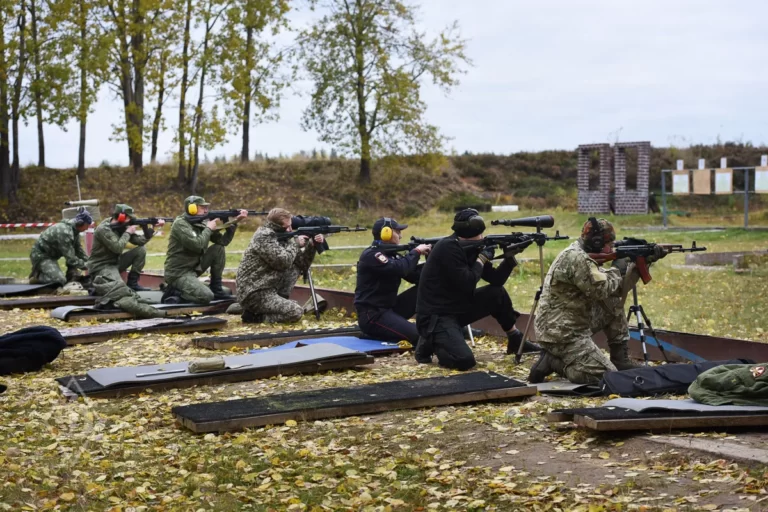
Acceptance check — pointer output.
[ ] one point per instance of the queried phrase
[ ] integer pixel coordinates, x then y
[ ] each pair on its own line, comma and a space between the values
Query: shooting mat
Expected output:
51, 302
105, 331
336, 402
372, 347
268, 339
637, 405
71, 313
14, 290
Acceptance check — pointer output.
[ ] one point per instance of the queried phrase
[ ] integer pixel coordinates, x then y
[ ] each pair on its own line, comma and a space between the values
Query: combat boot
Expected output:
218, 291
541, 368
133, 282
251, 318
171, 296
514, 337
620, 357
423, 351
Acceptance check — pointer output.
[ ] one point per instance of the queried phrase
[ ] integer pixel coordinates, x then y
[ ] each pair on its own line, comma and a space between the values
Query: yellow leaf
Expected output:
290, 423
604, 455
68, 496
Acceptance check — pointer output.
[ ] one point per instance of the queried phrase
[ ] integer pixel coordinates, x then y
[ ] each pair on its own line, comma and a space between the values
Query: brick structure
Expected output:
594, 201
613, 178
631, 201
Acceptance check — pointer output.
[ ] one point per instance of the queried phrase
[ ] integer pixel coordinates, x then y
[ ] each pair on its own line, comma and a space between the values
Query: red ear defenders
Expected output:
386, 230
121, 218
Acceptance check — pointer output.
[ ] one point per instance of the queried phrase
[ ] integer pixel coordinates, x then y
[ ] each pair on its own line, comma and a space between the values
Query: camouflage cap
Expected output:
123, 208
588, 232
195, 200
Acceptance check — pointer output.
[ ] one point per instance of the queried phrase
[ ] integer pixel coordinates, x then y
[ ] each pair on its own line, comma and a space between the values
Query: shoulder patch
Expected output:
381, 257
757, 371
597, 276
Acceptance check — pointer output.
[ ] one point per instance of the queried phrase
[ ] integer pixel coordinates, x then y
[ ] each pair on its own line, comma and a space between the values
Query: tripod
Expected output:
640, 316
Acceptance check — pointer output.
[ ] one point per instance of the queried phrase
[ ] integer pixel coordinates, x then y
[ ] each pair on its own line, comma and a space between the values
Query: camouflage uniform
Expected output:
189, 256
268, 272
60, 240
107, 256
112, 291
578, 299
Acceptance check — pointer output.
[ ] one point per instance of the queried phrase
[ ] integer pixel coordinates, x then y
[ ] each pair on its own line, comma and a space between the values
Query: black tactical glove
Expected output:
486, 255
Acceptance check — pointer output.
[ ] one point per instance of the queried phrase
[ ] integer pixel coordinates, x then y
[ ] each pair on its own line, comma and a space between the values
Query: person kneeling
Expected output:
579, 298
448, 298
269, 270
382, 314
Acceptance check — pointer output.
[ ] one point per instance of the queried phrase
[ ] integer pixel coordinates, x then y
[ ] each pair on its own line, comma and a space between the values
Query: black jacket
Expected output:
450, 276
379, 275
29, 349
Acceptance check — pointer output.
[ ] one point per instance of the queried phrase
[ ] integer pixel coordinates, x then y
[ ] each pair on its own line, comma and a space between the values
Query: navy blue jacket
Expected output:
379, 274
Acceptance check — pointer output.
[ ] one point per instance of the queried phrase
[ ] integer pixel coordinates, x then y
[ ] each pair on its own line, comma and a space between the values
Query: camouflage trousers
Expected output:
113, 291
274, 304
135, 259
46, 270
575, 355
188, 284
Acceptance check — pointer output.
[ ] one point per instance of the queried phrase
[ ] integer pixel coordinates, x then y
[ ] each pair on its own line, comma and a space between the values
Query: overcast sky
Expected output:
547, 74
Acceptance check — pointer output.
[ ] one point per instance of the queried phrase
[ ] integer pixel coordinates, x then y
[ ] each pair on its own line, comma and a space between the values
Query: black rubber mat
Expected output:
341, 397
282, 334
14, 290
615, 413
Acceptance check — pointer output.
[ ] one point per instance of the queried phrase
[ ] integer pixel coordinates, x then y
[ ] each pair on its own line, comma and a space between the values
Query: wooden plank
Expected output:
682, 422
556, 417
92, 314
261, 339
356, 410
48, 302
238, 376
210, 324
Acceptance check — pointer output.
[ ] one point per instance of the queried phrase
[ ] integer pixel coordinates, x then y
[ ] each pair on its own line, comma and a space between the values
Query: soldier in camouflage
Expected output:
269, 270
60, 240
189, 254
109, 242
107, 260
580, 298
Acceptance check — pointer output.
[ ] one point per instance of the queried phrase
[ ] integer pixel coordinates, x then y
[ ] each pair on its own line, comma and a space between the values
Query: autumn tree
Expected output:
251, 63
7, 57
367, 62
18, 70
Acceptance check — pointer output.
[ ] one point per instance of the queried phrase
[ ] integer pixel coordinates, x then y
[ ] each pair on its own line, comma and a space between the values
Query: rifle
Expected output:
224, 215
311, 231
149, 221
628, 248
511, 240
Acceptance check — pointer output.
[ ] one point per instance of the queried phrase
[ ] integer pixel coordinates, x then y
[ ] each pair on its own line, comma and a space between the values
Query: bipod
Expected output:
308, 279
640, 316
540, 241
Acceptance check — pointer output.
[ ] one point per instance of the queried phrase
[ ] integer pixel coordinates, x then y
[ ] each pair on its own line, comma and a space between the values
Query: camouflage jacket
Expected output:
574, 284
188, 242
266, 258
60, 240
109, 244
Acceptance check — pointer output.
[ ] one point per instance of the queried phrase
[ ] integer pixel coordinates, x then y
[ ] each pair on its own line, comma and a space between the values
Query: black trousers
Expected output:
391, 324
443, 335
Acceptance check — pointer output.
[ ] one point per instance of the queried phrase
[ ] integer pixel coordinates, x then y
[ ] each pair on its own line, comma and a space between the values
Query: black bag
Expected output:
658, 380
28, 350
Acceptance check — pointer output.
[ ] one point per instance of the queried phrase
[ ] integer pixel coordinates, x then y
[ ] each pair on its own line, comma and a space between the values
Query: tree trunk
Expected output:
244, 157
16, 103
365, 161
159, 110
5, 155
38, 96
362, 115
182, 177
199, 111
82, 114
137, 44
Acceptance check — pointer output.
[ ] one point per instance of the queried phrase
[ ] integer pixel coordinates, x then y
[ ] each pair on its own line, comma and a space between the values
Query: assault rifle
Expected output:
504, 242
149, 221
224, 215
638, 251
311, 231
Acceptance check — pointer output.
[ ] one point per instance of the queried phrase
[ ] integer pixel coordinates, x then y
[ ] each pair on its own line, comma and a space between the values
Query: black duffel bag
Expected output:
671, 379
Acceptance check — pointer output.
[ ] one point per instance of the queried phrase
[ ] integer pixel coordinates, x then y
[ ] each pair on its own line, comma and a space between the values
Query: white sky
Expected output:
547, 74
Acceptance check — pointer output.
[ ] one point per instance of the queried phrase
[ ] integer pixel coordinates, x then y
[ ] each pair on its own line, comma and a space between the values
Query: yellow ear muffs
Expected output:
192, 209
386, 231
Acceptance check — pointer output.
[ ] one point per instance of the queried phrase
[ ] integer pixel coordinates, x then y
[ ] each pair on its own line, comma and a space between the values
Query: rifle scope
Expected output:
541, 221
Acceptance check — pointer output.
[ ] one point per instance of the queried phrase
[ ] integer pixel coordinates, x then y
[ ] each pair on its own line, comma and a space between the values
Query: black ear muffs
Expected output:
192, 209
386, 230
475, 223
596, 240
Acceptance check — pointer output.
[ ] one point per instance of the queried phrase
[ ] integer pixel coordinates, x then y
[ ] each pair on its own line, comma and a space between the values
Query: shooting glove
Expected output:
486, 255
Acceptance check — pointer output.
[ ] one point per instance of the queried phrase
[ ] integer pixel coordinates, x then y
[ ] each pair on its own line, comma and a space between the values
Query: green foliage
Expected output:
367, 61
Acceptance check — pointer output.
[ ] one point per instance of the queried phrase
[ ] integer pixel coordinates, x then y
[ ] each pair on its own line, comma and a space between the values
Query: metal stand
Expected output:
308, 279
519, 355
640, 316
471, 336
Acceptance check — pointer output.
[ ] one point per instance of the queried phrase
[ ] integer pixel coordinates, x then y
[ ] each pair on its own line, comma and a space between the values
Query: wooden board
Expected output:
203, 380
702, 181
269, 339
103, 332
89, 313
51, 302
672, 422
320, 404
